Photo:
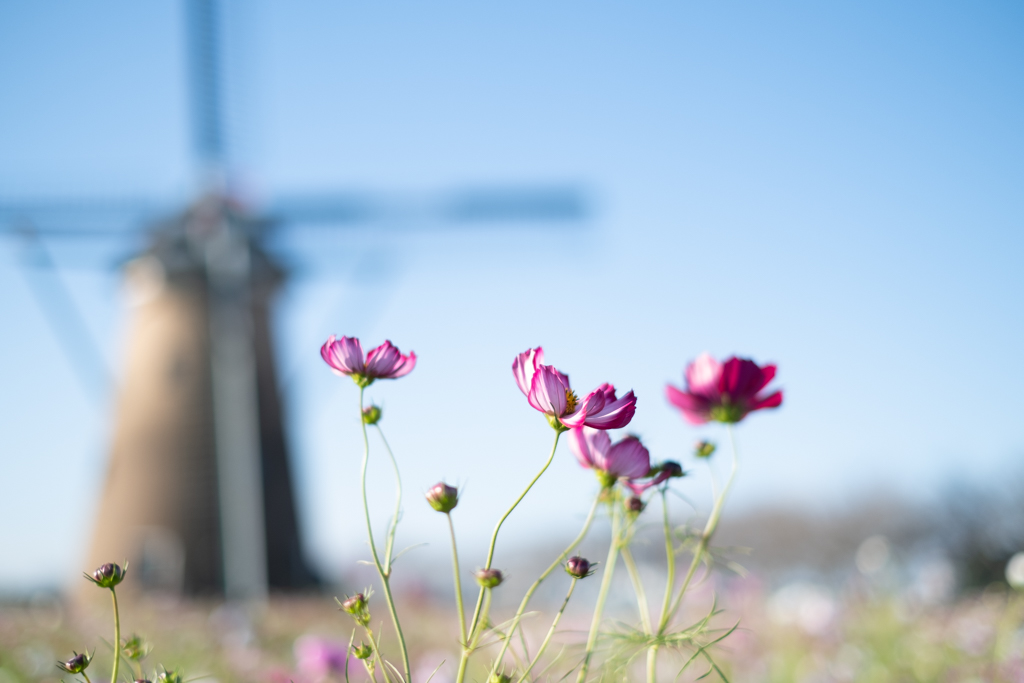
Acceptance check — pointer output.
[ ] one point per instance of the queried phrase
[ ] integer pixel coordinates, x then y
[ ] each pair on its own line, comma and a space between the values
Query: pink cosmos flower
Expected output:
602, 410
663, 472
318, 657
723, 392
548, 391
625, 459
345, 356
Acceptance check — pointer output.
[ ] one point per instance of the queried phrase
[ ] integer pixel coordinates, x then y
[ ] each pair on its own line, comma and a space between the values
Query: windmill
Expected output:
198, 492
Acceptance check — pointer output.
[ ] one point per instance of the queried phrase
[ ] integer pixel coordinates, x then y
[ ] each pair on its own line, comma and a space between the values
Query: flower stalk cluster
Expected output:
133, 649
724, 392
628, 482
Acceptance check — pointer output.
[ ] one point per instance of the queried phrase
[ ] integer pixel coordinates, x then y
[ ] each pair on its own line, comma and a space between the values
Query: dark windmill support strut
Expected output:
228, 264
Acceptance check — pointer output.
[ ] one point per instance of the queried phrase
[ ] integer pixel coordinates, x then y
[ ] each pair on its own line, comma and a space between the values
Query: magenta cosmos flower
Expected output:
662, 473
723, 392
345, 356
625, 459
548, 391
318, 658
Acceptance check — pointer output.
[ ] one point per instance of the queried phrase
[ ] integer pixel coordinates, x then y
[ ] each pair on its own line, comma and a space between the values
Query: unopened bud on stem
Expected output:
371, 415
363, 651
355, 604
489, 578
672, 469
704, 449
578, 567
77, 664
358, 607
135, 648
109, 575
443, 497
169, 677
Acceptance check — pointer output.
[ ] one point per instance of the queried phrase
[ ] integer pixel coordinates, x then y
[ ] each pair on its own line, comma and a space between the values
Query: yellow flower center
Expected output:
571, 401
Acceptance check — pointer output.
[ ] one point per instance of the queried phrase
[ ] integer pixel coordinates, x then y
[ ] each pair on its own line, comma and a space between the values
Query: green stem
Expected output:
670, 561
483, 618
370, 669
652, 664
522, 642
536, 584
670, 579
348, 652
551, 632
86, 677
393, 527
638, 588
602, 596
709, 530
458, 582
697, 556
475, 635
117, 638
375, 643
384, 575
463, 661
490, 557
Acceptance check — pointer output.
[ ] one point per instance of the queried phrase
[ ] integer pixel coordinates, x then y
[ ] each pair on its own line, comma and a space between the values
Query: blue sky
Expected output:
834, 187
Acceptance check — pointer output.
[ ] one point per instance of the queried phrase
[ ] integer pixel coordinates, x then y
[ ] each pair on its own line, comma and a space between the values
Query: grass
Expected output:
853, 634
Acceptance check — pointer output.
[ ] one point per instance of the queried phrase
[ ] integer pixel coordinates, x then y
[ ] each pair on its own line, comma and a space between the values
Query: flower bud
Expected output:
355, 604
578, 567
169, 677
635, 505
489, 578
443, 497
371, 415
109, 575
499, 678
358, 607
77, 664
672, 469
363, 651
135, 648
704, 449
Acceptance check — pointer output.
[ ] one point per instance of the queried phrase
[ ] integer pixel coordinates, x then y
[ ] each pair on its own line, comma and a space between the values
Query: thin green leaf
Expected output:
715, 666
403, 552
351, 640
438, 668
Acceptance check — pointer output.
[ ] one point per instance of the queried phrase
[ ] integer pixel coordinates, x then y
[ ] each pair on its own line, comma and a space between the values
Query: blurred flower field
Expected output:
796, 633
891, 614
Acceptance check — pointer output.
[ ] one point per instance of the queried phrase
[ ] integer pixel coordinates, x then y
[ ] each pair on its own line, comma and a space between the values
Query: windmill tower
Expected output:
198, 489
198, 493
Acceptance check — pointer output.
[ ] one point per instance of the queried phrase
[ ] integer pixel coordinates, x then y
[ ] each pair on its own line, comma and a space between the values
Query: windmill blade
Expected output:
84, 217
468, 206
203, 34
335, 208
62, 313
514, 205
